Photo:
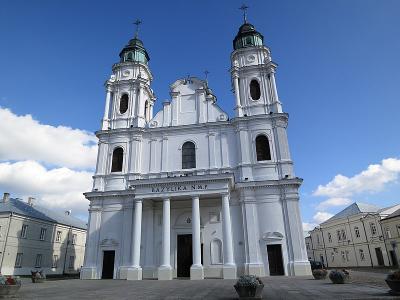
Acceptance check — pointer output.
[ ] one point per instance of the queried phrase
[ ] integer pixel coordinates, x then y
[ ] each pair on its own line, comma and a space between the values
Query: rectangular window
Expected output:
373, 228
18, 260
347, 255
343, 235
74, 239
71, 262
24, 231
362, 256
55, 261
339, 237
38, 262
398, 230
343, 256
329, 237
58, 236
388, 233
43, 234
357, 231
318, 242
333, 256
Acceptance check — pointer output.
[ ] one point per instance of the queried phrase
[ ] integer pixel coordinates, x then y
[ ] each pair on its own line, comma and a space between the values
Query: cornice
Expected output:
291, 182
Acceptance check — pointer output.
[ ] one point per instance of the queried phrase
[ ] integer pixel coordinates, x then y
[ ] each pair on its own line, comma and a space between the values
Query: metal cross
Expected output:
244, 7
137, 23
206, 73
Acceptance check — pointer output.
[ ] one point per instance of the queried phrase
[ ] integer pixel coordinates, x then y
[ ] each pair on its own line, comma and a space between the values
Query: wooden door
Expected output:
275, 260
185, 255
108, 265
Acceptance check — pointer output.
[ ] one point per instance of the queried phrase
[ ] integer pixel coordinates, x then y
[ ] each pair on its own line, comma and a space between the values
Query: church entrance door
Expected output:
275, 260
185, 257
108, 265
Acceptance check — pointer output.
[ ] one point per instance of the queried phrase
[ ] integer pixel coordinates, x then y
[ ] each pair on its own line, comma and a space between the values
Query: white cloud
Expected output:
309, 226
373, 179
332, 202
58, 188
23, 138
322, 216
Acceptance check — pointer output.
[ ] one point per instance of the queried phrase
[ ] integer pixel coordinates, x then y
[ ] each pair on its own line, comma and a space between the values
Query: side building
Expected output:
391, 229
35, 238
352, 238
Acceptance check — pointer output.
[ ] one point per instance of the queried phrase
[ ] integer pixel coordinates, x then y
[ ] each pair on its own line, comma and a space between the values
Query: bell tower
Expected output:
129, 98
253, 73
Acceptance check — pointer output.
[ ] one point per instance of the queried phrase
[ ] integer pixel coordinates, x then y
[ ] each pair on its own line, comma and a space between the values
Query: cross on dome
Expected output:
137, 23
244, 8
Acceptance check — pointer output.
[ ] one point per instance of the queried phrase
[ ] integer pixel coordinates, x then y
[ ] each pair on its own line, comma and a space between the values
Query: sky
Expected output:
338, 78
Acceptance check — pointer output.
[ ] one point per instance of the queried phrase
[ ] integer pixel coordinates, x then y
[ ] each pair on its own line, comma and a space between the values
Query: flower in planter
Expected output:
340, 277
319, 273
249, 286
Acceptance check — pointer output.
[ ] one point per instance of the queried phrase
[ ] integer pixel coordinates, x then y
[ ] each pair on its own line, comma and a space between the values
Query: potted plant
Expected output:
393, 281
38, 276
319, 274
339, 277
249, 287
9, 285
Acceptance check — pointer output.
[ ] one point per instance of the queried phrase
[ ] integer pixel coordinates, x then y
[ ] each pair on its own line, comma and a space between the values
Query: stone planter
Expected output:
339, 277
249, 287
248, 293
319, 274
9, 290
38, 276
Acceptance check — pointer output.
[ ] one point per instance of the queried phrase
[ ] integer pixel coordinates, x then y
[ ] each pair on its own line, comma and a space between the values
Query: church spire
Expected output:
244, 8
135, 50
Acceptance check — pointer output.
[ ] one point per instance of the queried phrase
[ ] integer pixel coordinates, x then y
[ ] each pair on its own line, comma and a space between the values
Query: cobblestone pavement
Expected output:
363, 286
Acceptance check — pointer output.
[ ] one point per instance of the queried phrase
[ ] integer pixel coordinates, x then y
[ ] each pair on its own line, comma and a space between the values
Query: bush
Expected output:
340, 277
394, 276
319, 273
248, 281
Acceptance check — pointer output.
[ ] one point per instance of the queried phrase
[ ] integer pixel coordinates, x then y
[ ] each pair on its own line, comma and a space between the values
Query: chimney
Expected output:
6, 197
30, 201
68, 212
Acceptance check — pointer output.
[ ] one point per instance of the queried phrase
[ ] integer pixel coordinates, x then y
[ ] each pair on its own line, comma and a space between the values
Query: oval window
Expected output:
123, 104
255, 92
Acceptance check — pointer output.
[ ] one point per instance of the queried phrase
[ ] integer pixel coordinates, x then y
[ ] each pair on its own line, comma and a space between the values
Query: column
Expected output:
126, 242
90, 270
229, 269
274, 90
196, 270
237, 95
165, 270
106, 110
135, 271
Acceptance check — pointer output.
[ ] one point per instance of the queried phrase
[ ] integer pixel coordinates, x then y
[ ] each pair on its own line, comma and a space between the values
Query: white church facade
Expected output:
190, 192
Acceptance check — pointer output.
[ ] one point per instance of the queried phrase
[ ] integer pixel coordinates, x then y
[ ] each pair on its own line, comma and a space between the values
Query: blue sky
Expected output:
338, 78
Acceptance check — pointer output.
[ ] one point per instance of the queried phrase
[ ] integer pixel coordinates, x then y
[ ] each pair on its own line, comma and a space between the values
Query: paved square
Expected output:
364, 286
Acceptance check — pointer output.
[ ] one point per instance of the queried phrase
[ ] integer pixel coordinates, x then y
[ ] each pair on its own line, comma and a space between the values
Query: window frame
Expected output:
120, 166
256, 86
42, 235
186, 163
54, 263
38, 260
24, 231
58, 235
264, 154
18, 260
123, 98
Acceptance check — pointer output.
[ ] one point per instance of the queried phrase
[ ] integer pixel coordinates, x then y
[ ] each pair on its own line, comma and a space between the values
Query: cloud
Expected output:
324, 205
309, 226
58, 188
23, 138
322, 216
373, 179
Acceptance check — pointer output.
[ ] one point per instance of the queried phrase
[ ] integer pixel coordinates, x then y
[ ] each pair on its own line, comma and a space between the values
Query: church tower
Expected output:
252, 72
130, 99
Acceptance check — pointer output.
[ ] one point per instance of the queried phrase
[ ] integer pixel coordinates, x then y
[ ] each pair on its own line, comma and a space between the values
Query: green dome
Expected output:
247, 36
134, 51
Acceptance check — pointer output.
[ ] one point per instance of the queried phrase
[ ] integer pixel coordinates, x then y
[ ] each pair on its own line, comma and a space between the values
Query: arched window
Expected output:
117, 160
123, 103
216, 251
130, 56
188, 156
255, 92
262, 148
